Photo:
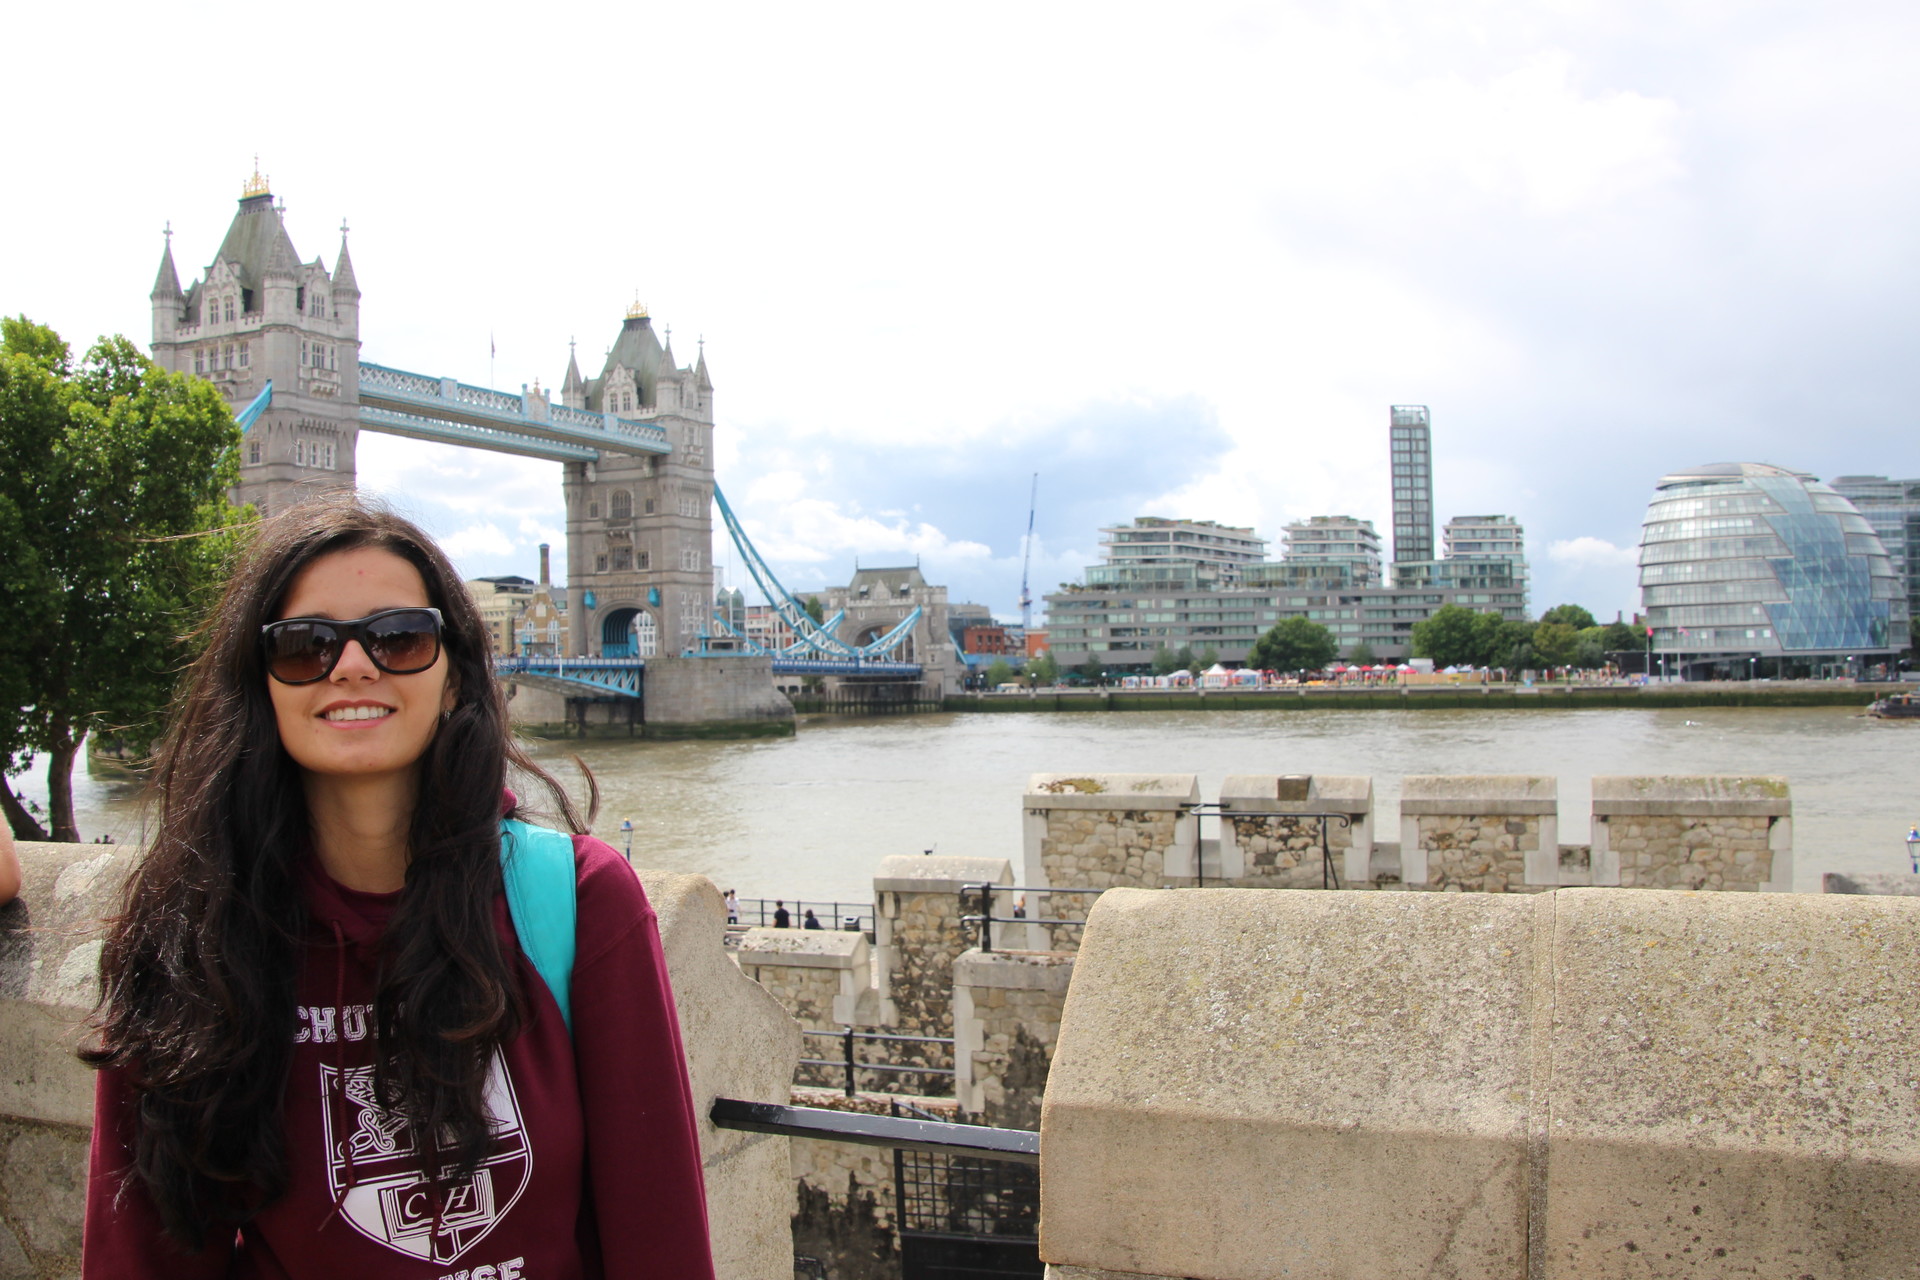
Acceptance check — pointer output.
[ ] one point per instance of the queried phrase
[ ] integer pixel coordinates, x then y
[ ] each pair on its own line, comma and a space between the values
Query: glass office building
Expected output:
1748, 569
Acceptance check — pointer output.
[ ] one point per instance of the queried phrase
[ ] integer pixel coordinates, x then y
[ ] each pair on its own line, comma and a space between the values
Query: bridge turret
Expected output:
346, 286
169, 304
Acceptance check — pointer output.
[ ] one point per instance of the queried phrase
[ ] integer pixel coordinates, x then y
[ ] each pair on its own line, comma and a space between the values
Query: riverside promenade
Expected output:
1462, 696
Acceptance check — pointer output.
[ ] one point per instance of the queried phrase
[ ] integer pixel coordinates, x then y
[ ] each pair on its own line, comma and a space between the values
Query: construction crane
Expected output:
1026, 559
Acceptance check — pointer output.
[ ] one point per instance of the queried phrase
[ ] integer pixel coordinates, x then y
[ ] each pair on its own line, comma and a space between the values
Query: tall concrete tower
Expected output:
1410, 430
259, 314
640, 529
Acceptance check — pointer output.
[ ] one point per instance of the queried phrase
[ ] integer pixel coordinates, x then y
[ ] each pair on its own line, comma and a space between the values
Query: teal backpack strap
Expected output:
537, 865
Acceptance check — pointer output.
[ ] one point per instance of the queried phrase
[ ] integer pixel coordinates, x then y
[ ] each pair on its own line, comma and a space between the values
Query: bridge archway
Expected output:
903, 652
628, 632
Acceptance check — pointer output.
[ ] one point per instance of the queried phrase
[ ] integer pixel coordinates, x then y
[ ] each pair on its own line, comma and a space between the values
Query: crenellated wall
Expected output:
1693, 832
739, 1043
1486, 834
1006, 1020
1266, 842
1100, 830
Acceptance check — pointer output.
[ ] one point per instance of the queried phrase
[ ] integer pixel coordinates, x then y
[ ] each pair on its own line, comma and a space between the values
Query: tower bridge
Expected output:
281, 338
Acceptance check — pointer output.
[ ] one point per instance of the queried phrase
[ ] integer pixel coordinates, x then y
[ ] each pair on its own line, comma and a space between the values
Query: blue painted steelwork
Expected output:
261, 403
622, 677
813, 641
504, 421
845, 667
416, 426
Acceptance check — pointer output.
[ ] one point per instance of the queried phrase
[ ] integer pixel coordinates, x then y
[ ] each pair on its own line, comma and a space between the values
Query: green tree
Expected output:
1571, 615
1091, 671
1618, 637
113, 514
814, 609
1453, 636
1294, 644
1556, 644
1209, 658
1044, 669
999, 672
1361, 655
1183, 658
1165, 661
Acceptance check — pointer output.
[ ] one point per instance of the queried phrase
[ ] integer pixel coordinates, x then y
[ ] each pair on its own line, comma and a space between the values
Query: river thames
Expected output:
811, 816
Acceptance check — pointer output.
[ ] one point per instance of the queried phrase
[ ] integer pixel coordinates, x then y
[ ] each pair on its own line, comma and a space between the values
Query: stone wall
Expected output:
1585, 1082
1494, 833
1693, 832
1265, 844
714, 694
1097, 831
846, 1198
823, 978
1006, 1014
738, 1043
918, 905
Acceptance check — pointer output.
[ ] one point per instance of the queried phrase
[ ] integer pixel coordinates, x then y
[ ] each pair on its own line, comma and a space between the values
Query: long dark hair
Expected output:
199, 970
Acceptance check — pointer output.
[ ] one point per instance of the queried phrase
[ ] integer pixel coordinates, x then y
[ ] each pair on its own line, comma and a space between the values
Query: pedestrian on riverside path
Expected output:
323, 1049
810, 921
782, 918
733, 907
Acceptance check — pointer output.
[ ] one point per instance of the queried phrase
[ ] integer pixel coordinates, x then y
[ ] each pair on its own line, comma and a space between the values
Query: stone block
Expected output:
938, 873
1476, 794
1691, 795
1588, 1082
1882, 883
804, 948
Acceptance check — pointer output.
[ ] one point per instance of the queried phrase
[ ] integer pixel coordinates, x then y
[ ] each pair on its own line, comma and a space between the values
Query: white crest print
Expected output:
390, 1201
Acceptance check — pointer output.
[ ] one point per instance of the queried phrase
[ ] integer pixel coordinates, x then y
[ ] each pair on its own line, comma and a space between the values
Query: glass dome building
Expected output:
1749, 569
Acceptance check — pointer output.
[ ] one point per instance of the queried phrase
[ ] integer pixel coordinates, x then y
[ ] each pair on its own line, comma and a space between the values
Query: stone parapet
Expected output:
1580, 1083
738, 1042
1263, 845
822, 978
1493, 833
1886, 884
1006, 1021
1700, 831
1099, 830
918, 931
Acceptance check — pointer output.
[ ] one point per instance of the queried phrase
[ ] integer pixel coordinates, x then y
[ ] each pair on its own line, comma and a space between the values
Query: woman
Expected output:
323, 1051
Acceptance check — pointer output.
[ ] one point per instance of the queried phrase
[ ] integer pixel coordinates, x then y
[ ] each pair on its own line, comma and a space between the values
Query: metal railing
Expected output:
831, 915
1019, 1146
849, 1037
986, 919
1329, 873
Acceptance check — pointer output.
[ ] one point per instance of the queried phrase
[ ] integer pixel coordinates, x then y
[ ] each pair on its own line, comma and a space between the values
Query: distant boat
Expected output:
1896, 706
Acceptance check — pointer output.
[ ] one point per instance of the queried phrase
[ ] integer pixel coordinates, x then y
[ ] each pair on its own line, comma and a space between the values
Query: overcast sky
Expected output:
1177, 260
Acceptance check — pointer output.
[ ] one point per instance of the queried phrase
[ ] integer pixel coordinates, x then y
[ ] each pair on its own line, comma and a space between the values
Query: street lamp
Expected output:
1913, 848
626, 827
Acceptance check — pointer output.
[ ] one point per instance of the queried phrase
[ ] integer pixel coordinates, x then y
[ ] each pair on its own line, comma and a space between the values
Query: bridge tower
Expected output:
259, 314
640, 528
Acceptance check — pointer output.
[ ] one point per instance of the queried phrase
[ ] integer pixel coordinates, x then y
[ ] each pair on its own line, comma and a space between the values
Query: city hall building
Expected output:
1748, 569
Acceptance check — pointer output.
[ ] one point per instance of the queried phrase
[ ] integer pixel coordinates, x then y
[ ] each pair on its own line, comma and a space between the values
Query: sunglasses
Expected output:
399, 641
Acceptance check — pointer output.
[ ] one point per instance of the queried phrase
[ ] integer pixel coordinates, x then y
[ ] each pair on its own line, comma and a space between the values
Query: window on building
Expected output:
621, 505
253, 453
200, 360
245, 353
228, 358
623, 557
649, 506
599, 564
228, 309
689, 503
644, 559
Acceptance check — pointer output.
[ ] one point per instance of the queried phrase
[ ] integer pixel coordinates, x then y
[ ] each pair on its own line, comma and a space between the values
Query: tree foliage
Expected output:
1044, 669
1452, 636
814, 609
1361, 655
1294, 644
1571, 615
999, 672
117, 531
1091, 672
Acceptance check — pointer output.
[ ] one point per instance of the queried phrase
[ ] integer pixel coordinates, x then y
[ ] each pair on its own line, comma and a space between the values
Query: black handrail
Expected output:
1019, 1146
1329, 874
849, 1036
986, 919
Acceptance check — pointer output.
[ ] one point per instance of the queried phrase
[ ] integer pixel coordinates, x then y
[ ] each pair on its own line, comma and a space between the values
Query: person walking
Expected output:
782, 918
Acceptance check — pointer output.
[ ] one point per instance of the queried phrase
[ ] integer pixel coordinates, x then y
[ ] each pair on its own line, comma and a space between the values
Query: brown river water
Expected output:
811, 816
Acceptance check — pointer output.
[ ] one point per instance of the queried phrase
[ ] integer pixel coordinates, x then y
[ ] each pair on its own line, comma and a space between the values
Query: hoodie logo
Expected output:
373, 1162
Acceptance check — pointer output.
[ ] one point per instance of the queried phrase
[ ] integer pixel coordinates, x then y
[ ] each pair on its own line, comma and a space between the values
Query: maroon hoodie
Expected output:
596, 1172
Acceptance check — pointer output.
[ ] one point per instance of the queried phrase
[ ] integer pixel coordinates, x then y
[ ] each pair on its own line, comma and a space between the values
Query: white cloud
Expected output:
1592, 553
475, 540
